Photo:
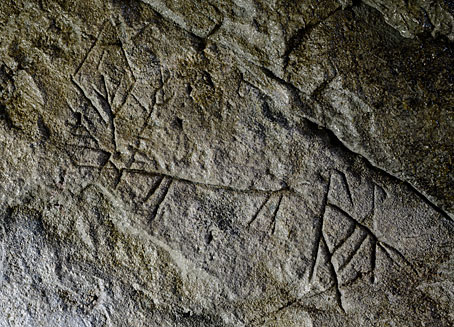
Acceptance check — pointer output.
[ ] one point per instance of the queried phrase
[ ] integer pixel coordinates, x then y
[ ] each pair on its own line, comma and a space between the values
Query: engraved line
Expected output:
379, 242
390, 248
347, 186
105, 88
373, 260
349, 234
91, 48
153, 189
88, 99
125, 99
353, 252
127, 59
333, 274
166, 188
122, 77
254, 217
273, 223
319, 232
110, 114
201, 184
98, 68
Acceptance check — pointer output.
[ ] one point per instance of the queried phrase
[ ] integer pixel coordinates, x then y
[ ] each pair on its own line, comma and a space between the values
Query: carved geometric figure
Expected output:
266, 216
349, 249
337, 229
174, 173
339, 191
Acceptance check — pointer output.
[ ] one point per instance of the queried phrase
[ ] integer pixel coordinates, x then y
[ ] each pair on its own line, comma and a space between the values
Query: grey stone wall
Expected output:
226, 163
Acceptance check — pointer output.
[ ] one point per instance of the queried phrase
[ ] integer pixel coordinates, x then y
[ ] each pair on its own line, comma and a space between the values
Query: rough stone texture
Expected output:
231, 163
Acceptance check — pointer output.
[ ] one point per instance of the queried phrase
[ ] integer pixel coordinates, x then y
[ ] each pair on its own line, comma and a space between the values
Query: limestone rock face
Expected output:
226, 163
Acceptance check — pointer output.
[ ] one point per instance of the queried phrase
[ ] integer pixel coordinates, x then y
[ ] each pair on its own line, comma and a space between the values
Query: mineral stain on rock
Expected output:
226, 163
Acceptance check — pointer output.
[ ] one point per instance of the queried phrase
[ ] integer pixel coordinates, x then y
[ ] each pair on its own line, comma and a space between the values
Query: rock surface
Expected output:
231, 163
